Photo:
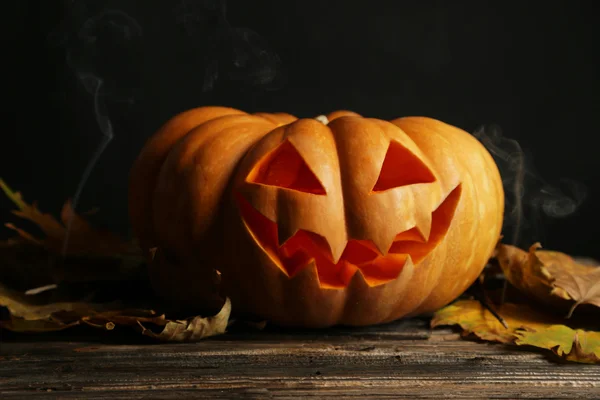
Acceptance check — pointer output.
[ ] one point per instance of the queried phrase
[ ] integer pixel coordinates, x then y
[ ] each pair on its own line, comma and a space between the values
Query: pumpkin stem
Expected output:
323, 119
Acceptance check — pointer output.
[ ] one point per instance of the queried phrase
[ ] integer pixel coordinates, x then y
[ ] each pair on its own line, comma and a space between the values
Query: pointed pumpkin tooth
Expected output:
383, 243
358, 281
424, 220
285, 231
307, 273
337, 246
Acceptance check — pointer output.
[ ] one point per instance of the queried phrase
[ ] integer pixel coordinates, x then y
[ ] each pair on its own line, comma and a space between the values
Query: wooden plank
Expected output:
402, 360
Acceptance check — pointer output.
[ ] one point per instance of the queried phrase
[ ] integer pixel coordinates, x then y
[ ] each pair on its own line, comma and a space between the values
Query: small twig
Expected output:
503, 293
486, 305
41, 289
480, 295
570, 313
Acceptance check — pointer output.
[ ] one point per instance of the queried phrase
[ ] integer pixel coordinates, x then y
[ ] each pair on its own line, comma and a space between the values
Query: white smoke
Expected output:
96, 48
528, 196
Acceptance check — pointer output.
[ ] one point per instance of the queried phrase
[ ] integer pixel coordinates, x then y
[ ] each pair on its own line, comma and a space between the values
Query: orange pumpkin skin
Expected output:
358, 221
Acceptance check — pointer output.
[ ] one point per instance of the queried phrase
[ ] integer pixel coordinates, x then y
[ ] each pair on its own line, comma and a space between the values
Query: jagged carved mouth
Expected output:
305, 246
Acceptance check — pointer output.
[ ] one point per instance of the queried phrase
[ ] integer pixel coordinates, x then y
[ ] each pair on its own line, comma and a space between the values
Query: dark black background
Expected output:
531, 68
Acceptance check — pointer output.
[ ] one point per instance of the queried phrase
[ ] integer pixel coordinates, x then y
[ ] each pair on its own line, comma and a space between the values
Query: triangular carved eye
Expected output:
284, 167
400, 168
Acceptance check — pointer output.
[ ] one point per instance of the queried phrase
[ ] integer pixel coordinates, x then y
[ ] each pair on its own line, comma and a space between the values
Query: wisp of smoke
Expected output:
107, 135
90, 50
511, 162
527, 193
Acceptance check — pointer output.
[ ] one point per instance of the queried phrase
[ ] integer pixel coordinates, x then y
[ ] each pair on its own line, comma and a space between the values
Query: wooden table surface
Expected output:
400, 360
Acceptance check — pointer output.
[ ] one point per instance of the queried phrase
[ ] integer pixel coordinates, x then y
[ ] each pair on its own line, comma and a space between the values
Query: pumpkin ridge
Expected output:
181, 169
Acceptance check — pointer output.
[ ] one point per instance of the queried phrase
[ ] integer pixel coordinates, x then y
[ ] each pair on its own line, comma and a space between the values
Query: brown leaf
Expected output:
526, 326
22, 306
90, 254
193, 329
83, 239
553, 278
575, 281
50, 226
27, 315
15, 324
125, 317
525, 271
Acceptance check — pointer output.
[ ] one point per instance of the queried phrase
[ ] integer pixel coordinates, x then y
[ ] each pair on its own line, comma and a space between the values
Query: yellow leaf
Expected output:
526, 326
473, 318
573, 345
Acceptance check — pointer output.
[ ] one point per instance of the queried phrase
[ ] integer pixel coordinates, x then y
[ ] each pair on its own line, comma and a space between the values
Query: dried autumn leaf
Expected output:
526, 326
15, 324
126, 317
551, 277
473, 318
575, 281
27, 315
47, 223
571, 344
22, 306
524, 271
193, 329
83, 239
91, 254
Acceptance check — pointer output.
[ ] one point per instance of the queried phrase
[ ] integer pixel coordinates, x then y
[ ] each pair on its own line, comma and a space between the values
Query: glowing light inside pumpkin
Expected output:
284, 167
401, 168
304, 247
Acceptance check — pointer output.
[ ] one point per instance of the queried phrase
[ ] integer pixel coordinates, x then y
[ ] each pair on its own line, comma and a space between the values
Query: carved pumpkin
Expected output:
342, 220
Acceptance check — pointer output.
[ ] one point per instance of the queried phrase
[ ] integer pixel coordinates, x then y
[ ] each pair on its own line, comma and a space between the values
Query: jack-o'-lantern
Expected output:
315, 222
